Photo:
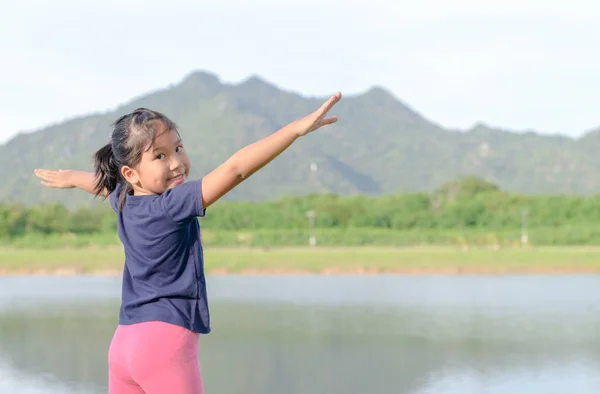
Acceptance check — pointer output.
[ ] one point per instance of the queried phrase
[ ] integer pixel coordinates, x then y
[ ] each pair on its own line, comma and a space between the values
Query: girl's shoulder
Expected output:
184, 201
181, 203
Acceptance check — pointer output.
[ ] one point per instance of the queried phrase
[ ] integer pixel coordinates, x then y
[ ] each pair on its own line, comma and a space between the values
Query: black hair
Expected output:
132, 135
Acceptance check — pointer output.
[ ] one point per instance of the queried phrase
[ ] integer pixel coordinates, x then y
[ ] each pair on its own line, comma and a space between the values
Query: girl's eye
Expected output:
179, 149
160, 156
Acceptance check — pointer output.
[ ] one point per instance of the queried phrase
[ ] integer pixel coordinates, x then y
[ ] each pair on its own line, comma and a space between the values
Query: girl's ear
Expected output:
129, 174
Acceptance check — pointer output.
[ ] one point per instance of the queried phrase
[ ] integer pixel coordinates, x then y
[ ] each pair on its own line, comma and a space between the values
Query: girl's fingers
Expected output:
330, 120
329, 103
49, 178
43, 175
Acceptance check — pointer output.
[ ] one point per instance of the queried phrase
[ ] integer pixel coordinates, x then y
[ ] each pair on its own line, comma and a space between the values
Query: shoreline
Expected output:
73, 272
367, 260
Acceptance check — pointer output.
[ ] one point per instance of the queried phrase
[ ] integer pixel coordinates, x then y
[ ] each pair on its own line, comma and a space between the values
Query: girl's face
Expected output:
163, 166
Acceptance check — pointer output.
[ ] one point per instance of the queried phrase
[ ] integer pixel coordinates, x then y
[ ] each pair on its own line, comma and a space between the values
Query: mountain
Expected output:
379, 145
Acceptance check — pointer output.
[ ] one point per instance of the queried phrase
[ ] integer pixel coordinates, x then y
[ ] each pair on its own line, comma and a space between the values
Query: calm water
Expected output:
369, 334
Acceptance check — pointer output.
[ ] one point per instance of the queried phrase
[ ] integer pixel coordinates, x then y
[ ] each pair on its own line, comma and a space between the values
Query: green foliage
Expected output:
468, 210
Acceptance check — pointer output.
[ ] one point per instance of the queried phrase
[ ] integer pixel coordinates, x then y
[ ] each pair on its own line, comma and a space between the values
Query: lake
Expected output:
326, 334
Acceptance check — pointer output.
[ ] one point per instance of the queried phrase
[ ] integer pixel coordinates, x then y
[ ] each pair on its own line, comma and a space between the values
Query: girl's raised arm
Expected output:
253, 157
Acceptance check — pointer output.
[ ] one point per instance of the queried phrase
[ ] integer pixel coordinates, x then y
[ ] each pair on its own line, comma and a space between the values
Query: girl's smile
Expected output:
177, 180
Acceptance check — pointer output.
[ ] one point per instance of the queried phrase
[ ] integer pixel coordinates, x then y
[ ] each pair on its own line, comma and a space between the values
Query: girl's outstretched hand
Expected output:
60, 179
317, 119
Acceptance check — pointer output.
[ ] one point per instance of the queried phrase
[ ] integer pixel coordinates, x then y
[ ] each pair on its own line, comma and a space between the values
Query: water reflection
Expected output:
330, 335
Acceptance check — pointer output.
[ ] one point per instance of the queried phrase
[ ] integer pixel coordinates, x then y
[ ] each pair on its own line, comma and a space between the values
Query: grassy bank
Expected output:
352, 260
336, 237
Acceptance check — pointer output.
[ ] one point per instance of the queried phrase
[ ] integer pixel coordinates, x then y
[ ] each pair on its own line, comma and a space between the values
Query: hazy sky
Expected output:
526, 64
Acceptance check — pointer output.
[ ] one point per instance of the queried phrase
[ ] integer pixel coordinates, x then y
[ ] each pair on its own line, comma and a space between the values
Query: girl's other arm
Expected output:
68, 179
253, 157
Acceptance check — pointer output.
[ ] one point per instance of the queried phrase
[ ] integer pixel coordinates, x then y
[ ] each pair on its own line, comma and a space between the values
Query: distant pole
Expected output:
524, 237
312, 239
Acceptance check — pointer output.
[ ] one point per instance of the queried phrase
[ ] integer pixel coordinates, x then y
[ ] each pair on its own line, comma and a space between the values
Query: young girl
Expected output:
142, 170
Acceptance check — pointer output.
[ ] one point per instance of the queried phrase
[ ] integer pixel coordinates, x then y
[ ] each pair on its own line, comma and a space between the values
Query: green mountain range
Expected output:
379, 145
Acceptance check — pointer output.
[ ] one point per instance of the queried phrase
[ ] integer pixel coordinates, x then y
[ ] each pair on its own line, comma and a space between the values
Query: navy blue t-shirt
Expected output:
163, 278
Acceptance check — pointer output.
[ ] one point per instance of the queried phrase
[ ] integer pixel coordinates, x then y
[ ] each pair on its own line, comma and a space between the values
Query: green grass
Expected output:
83, 260
334, 237
425, 259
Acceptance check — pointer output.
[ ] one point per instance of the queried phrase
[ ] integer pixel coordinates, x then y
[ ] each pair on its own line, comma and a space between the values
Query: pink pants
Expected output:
154, 358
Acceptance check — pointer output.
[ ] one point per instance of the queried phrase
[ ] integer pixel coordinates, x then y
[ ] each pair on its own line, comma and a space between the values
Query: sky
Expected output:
513, 64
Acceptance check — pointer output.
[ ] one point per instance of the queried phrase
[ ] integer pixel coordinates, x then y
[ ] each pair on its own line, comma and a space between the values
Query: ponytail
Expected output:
107, 170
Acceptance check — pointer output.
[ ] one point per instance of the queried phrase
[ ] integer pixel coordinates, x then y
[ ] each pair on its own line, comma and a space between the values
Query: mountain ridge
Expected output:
256, 77
379, 145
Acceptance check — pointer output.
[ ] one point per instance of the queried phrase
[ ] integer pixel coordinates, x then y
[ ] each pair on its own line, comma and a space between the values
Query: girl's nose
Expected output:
175, 163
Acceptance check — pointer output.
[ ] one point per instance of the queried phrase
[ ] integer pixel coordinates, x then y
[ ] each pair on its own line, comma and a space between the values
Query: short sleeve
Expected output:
184, 201
114, 198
